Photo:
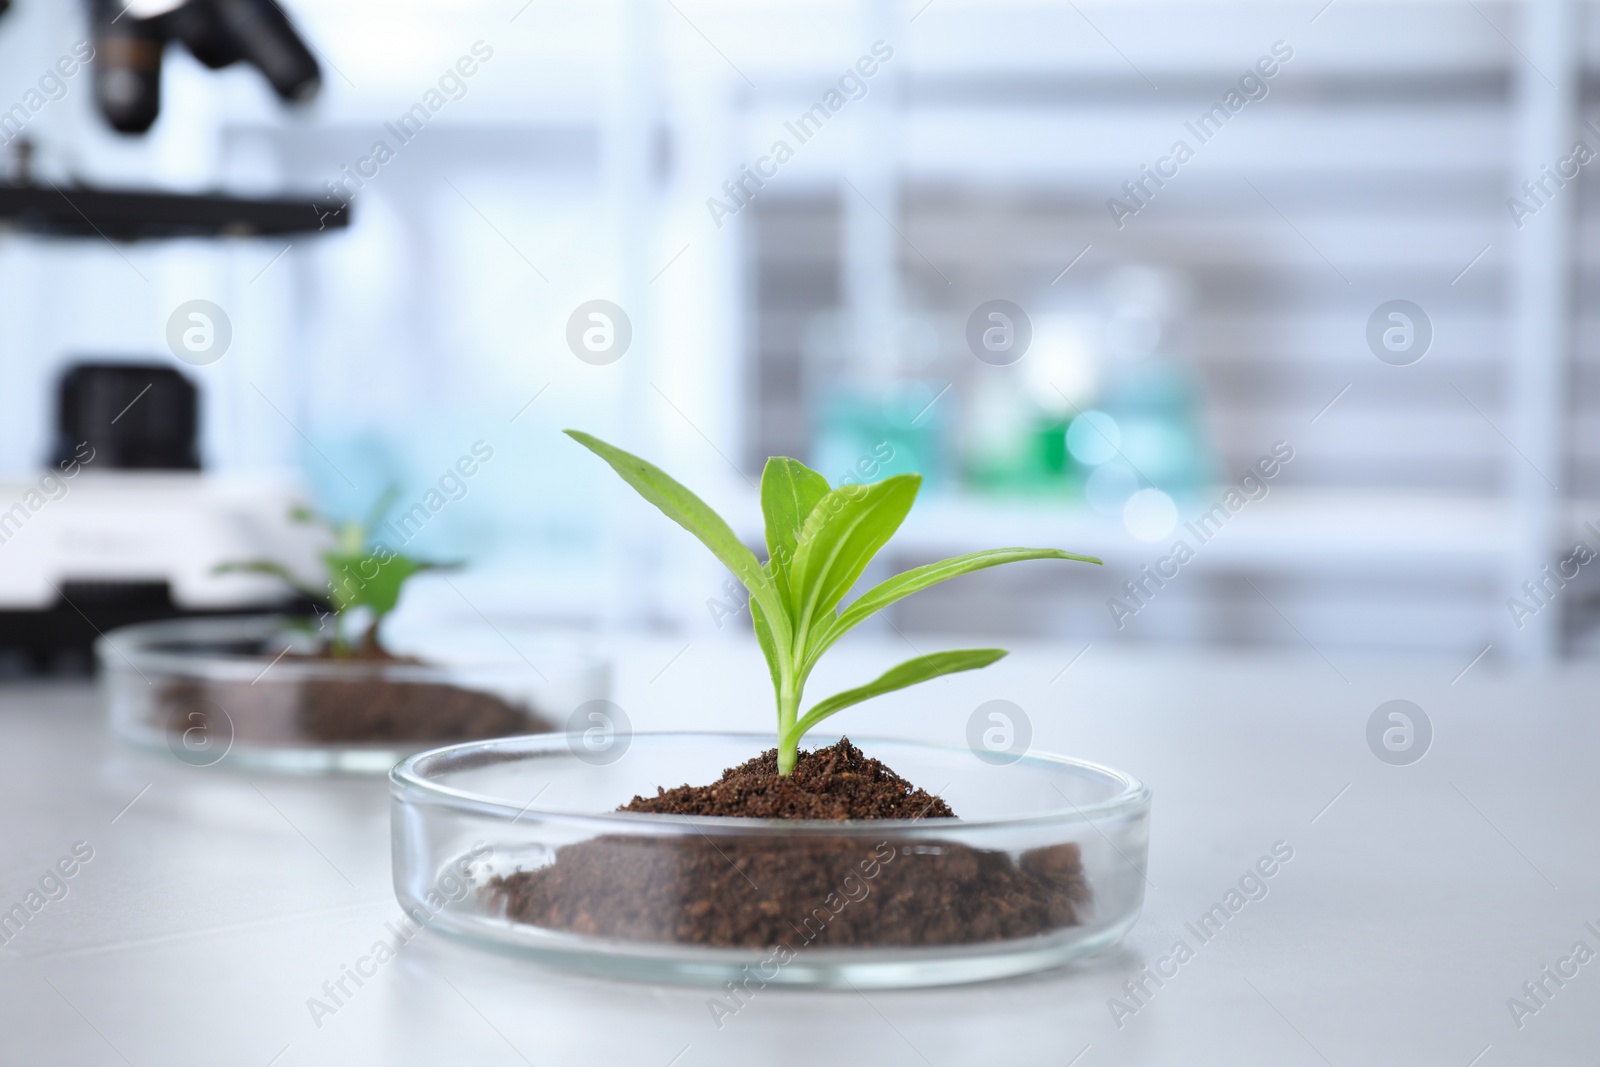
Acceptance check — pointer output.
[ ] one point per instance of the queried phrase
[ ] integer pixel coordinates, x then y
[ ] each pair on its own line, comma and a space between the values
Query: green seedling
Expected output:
819, 540
363, 576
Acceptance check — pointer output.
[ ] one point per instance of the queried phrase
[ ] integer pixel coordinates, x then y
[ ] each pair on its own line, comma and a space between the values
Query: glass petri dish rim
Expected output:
410, 785
136, 646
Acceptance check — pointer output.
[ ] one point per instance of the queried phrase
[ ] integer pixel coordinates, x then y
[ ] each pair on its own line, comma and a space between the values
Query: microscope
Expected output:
123, 525
130, 39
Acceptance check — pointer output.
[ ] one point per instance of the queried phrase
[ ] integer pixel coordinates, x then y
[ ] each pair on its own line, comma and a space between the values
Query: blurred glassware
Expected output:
1109, 486
1014, 436
1150, 514
1152, 394
865, 433
863, 426
1102, 406
1094, 438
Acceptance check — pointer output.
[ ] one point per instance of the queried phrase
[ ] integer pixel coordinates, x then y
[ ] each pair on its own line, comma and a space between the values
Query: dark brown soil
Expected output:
796, 891
338, 711
837, 782
408, 711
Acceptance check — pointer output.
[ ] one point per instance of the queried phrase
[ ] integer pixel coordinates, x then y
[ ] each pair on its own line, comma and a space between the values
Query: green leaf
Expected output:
769, 647
789, 492
305, 516
276, 570
844, 531
373, 579
382, 592
906, 674
900, 586
694, 515
361, 579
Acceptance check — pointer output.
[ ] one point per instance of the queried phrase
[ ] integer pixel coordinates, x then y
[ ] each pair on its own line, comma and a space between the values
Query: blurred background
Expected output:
1285, 310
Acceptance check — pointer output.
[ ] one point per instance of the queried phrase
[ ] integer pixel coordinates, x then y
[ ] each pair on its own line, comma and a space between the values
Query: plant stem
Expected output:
788, 712
793, 674
369, 640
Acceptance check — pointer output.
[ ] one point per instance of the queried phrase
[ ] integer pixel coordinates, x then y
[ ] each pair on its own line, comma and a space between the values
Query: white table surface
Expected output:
1414, 907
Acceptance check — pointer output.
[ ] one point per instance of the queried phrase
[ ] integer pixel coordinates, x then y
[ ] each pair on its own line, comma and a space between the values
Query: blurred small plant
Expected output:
364, 576
819, 541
